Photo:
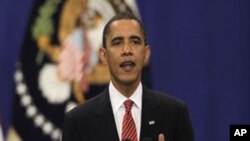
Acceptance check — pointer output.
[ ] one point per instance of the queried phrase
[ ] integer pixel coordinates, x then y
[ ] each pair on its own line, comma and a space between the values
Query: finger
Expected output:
161, 137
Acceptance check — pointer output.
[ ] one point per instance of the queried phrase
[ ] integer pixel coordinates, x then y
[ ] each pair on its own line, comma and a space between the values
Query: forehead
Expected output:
124, 27
124, 22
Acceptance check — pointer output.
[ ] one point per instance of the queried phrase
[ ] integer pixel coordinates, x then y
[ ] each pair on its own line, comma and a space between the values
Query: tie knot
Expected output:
128, 105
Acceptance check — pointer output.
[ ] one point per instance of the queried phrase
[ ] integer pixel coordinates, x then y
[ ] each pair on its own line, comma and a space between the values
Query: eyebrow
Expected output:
135, 37
117, 38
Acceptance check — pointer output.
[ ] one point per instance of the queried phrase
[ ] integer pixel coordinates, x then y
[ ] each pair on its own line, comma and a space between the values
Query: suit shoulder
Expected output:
85, 109
166, 100
165, 97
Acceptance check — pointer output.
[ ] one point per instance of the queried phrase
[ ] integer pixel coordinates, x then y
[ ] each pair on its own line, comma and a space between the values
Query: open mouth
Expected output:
127, 65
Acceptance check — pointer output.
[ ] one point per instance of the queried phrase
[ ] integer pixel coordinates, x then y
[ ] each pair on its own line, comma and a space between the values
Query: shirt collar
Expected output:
117, 98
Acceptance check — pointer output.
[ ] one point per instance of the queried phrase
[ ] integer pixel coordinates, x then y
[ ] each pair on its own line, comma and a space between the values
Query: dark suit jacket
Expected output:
161, 113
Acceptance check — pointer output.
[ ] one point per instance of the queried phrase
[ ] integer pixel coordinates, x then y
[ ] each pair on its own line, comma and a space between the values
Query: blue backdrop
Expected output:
200, 53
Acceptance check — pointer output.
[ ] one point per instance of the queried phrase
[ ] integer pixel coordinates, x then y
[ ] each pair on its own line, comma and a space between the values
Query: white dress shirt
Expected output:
117, 100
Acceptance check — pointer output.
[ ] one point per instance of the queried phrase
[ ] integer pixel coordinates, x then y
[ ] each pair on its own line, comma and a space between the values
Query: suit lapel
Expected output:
151, 119
150, 124
105, 122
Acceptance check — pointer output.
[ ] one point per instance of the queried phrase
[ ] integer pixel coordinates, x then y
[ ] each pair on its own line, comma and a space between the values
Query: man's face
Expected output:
126, 52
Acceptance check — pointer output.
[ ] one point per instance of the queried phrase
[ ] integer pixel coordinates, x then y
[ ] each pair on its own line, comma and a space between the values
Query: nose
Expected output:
127, 50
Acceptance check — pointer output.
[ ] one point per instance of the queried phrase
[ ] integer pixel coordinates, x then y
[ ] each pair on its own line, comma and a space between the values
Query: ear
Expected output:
103, 55
147, 55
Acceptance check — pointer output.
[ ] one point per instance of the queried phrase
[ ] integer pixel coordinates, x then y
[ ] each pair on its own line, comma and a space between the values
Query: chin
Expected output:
126, 79
129, 81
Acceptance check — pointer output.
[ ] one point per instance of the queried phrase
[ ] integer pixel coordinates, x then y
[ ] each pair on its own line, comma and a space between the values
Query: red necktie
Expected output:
128, 126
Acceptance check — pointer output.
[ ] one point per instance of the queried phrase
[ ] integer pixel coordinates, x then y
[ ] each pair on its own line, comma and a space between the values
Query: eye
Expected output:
136, 40
116, 41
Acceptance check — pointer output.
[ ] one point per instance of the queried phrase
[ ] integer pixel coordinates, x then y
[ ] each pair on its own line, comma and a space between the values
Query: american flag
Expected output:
59, 66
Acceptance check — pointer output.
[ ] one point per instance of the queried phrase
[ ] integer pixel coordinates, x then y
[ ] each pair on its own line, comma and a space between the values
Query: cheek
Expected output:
142, 57
112, 60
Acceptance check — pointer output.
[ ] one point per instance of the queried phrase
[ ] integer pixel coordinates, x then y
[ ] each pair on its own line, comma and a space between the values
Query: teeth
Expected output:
127, 63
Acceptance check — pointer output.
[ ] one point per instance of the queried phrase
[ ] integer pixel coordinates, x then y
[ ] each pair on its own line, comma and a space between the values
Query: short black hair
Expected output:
121, 16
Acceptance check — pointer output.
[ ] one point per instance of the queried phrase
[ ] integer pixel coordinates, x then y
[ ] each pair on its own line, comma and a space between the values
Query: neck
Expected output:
126, 89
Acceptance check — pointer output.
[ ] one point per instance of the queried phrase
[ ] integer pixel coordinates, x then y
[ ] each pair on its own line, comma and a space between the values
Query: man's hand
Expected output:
161, 137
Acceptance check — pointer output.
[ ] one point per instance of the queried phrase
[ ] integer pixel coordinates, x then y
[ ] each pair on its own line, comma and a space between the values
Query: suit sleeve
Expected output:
70, 132
184, 129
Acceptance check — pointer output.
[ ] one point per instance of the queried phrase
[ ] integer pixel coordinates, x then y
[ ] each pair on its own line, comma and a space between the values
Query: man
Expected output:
126, 110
